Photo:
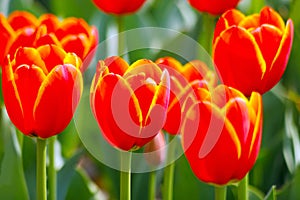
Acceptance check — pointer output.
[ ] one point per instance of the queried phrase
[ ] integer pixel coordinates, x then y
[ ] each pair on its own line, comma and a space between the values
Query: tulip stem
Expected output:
121, 40
206, 35
125, 179
169, 172
152, 185
41, 176
220, 192
52, 170
243, 189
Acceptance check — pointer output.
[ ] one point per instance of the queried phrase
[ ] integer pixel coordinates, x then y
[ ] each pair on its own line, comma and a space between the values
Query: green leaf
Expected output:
65, 175
73, 8
291, 145
271, 194
12, 180
186, 184
82, 187
290, 191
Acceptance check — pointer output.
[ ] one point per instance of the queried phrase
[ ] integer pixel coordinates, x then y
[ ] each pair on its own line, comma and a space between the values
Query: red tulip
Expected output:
119, 7
214, 7
129, 102
41, 89
251, 53
23, 29
184, 79
222, 134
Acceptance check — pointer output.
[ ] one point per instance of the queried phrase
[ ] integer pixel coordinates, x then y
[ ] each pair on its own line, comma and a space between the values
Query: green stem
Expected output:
169, 172
41, 180
206, 35
125, 179
220, 192
152, 185
121, 40
243, 189
52, 170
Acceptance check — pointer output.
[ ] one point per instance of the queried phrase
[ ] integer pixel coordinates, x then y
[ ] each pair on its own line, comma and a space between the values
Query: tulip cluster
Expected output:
21, 28
219, 116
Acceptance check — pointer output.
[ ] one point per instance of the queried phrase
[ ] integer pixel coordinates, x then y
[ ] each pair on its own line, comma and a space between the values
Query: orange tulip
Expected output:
41, 89
129, 102
184, 79
222, 134
251, 53
214, 7
23, 29
119, 7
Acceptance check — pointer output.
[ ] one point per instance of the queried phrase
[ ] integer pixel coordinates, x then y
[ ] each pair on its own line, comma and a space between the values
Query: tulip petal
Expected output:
238, 57
236, 111
281, 58
268, 39
117, 111
28, 80
149, 68
12, 98
194, 70
157, 108
21, 19
229, 18
52, 115
72, 26
116, 65
250, 22
209, 135
7, 36
52, 55
29, 56
50, 21
269, 16
77, 44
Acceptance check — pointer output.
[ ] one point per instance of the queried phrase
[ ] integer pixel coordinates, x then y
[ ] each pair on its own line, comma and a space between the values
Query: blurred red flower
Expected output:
119, 7
214, 7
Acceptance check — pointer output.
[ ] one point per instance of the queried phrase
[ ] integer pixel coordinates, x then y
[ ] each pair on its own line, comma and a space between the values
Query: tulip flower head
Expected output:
251, 52
22, 29
119, 7
214, 7
184, 79
222, 134
41, 89
129, 102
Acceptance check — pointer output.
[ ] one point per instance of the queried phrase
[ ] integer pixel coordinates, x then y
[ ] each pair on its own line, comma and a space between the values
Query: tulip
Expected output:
129, 102
119, 7
184, 78
23, 29
251, 52
41, 89
222, 134
214, 7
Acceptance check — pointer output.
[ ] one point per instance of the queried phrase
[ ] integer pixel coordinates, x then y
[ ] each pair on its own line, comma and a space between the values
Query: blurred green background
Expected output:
276, 173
